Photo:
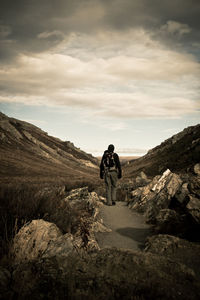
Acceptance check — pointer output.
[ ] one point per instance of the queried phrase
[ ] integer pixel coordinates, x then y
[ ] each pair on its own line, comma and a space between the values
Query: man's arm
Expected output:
101, 168
118, 165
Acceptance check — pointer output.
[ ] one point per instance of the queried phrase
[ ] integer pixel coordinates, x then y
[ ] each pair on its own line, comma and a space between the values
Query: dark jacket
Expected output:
117, 164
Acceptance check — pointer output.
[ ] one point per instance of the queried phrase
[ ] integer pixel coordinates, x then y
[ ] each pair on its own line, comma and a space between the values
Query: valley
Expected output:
59, 240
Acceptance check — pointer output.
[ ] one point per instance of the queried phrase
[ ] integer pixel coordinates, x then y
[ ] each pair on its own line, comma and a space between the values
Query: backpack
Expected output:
109, 161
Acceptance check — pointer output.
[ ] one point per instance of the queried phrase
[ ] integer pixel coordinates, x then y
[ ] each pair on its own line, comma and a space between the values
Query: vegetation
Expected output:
20, 203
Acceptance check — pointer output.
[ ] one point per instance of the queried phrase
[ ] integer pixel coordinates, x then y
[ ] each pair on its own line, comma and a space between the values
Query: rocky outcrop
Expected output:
170, 203
193, 208
155, 196
41, 238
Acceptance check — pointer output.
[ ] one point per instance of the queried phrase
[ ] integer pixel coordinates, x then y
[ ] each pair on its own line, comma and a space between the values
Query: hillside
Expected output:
178, 153
29, 154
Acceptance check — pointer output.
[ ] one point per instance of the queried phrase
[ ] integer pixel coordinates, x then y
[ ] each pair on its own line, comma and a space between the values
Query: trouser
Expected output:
111, 186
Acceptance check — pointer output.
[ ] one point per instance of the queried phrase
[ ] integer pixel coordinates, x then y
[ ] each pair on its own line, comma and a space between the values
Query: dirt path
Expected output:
129, 230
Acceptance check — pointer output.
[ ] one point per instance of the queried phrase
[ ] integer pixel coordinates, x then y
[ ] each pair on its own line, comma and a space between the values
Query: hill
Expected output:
29, 154
178, 153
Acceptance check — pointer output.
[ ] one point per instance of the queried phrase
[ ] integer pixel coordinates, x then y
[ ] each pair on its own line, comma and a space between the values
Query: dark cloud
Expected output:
23, 21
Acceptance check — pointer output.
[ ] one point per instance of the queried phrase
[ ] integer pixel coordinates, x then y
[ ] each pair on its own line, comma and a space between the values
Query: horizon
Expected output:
102, 72
98, 153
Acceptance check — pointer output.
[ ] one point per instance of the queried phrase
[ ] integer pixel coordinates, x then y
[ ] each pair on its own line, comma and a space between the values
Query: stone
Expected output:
170, 181
100, 227
193, 207
156, 195
168, 221
182, 194
142, 179
197, 169
61, 246
78, 194
33, 239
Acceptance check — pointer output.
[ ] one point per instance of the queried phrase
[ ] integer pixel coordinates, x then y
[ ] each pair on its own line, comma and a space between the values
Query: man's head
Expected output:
111, 148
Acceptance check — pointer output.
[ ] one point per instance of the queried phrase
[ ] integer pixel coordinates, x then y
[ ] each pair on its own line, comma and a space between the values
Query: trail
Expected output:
129, 230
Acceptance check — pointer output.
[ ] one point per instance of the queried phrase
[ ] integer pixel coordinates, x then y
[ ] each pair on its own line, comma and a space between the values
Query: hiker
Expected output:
110, 170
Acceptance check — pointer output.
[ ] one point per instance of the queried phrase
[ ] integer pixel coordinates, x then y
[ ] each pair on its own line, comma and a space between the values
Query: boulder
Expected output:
76, 216
141, 179
169, 221
169, 181
193, 208
61, 246
182, 194
157, 195
78, 194
33, 240
197, 169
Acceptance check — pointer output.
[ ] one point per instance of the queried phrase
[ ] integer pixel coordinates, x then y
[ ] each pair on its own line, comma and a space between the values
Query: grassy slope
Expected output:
178, 153
28, 154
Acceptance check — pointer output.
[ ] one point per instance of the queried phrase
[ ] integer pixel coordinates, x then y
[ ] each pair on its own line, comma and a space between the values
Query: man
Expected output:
110, 170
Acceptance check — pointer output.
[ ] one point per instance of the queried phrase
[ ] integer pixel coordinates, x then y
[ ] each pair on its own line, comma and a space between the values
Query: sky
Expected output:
100, 72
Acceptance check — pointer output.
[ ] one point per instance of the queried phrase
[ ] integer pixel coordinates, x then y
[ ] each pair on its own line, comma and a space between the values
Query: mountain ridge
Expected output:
27, 150
178, 153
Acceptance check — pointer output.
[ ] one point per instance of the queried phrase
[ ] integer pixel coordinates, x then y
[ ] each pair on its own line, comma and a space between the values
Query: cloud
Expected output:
5, 31
145, 79
25, 23
176, 28
47, 34
114, 58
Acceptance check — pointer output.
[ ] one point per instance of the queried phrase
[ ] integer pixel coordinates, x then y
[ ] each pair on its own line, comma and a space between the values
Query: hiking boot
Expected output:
113, 203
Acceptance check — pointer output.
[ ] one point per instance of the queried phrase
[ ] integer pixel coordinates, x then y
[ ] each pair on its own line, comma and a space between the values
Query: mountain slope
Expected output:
28, 153
178, 153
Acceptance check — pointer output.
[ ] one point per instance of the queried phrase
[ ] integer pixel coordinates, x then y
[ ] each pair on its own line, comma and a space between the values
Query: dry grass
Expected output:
20, 203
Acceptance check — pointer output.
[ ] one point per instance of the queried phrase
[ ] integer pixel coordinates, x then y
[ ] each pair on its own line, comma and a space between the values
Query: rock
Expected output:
100, 227
60, 247
197, 169
142, 179
193, 208
194, 185
182, 194
93, 201
168, 221
102, 199
177, 249
168, 180
78, 194
33, 239
156, 195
